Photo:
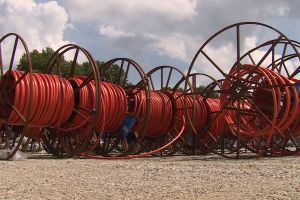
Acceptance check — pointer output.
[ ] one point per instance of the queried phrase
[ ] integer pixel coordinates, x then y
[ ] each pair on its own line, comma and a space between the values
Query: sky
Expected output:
151, 32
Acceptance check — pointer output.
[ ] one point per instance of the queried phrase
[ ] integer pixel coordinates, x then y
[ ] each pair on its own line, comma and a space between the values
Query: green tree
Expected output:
83, 69
179, 89
38, 59
112, 73
203, 89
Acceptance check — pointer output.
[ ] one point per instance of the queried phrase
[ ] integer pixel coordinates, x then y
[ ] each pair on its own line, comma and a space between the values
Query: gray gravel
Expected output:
203, 177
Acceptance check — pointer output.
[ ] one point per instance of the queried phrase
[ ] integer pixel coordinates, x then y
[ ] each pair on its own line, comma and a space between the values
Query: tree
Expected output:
203, 89
83, 69
117, 76
39, 60
179, 89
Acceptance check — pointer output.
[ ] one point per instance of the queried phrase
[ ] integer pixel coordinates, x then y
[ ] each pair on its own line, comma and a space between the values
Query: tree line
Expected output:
40, 59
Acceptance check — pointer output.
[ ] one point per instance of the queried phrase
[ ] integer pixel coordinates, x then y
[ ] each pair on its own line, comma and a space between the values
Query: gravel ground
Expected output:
179, 177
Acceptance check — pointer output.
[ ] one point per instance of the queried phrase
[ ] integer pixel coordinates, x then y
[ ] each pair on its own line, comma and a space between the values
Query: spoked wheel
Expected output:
202, 104
248, 118
125, 93
82, 111
15, 105
283, 57
167, 81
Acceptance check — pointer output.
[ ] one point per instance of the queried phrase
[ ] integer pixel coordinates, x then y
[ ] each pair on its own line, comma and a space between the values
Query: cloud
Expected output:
225, 56
291, 64
40, 24
173, 46
131, 10
148, 31
112, 32
138, 21
173, 29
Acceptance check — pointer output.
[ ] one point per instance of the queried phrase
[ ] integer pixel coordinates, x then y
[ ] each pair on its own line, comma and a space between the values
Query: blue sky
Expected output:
152, 32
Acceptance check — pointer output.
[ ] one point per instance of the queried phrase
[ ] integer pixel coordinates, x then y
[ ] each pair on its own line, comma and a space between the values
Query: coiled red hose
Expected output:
52, 99
275, 103
112, 108
295, 126
114, 101
218, 125
286, 96
196, 109
161, 112
201, 113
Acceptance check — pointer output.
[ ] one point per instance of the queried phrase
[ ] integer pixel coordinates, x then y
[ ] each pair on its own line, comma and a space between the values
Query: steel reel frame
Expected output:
68, 139
237, 82
7, 129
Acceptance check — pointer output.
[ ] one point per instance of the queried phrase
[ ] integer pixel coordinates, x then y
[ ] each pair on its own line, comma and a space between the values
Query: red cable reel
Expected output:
287, 49
236, 104
122, 80
205, 119
166, 114
11, 136
47, 108
72, 136
156, 138
266, 110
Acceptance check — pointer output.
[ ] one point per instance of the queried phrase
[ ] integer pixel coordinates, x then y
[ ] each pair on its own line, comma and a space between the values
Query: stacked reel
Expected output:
257, 92
242, 104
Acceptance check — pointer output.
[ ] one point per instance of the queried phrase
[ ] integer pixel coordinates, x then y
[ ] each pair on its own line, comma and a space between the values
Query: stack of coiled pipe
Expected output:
112, 103
154, 121
161, 110
268, 108
203, 110
257, 109
114, 106
52, 99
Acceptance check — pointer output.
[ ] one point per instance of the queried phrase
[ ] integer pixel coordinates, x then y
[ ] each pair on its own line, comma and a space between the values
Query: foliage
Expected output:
112, 74
40, 59
202, 89
179, 89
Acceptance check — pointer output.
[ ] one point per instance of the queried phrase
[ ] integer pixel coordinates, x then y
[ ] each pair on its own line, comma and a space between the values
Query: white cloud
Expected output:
130, 10
250, 42
281, 10
142, 20
112, 32
173, 46
223, 56
141, 29
257, 55
169, 28
40, 24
